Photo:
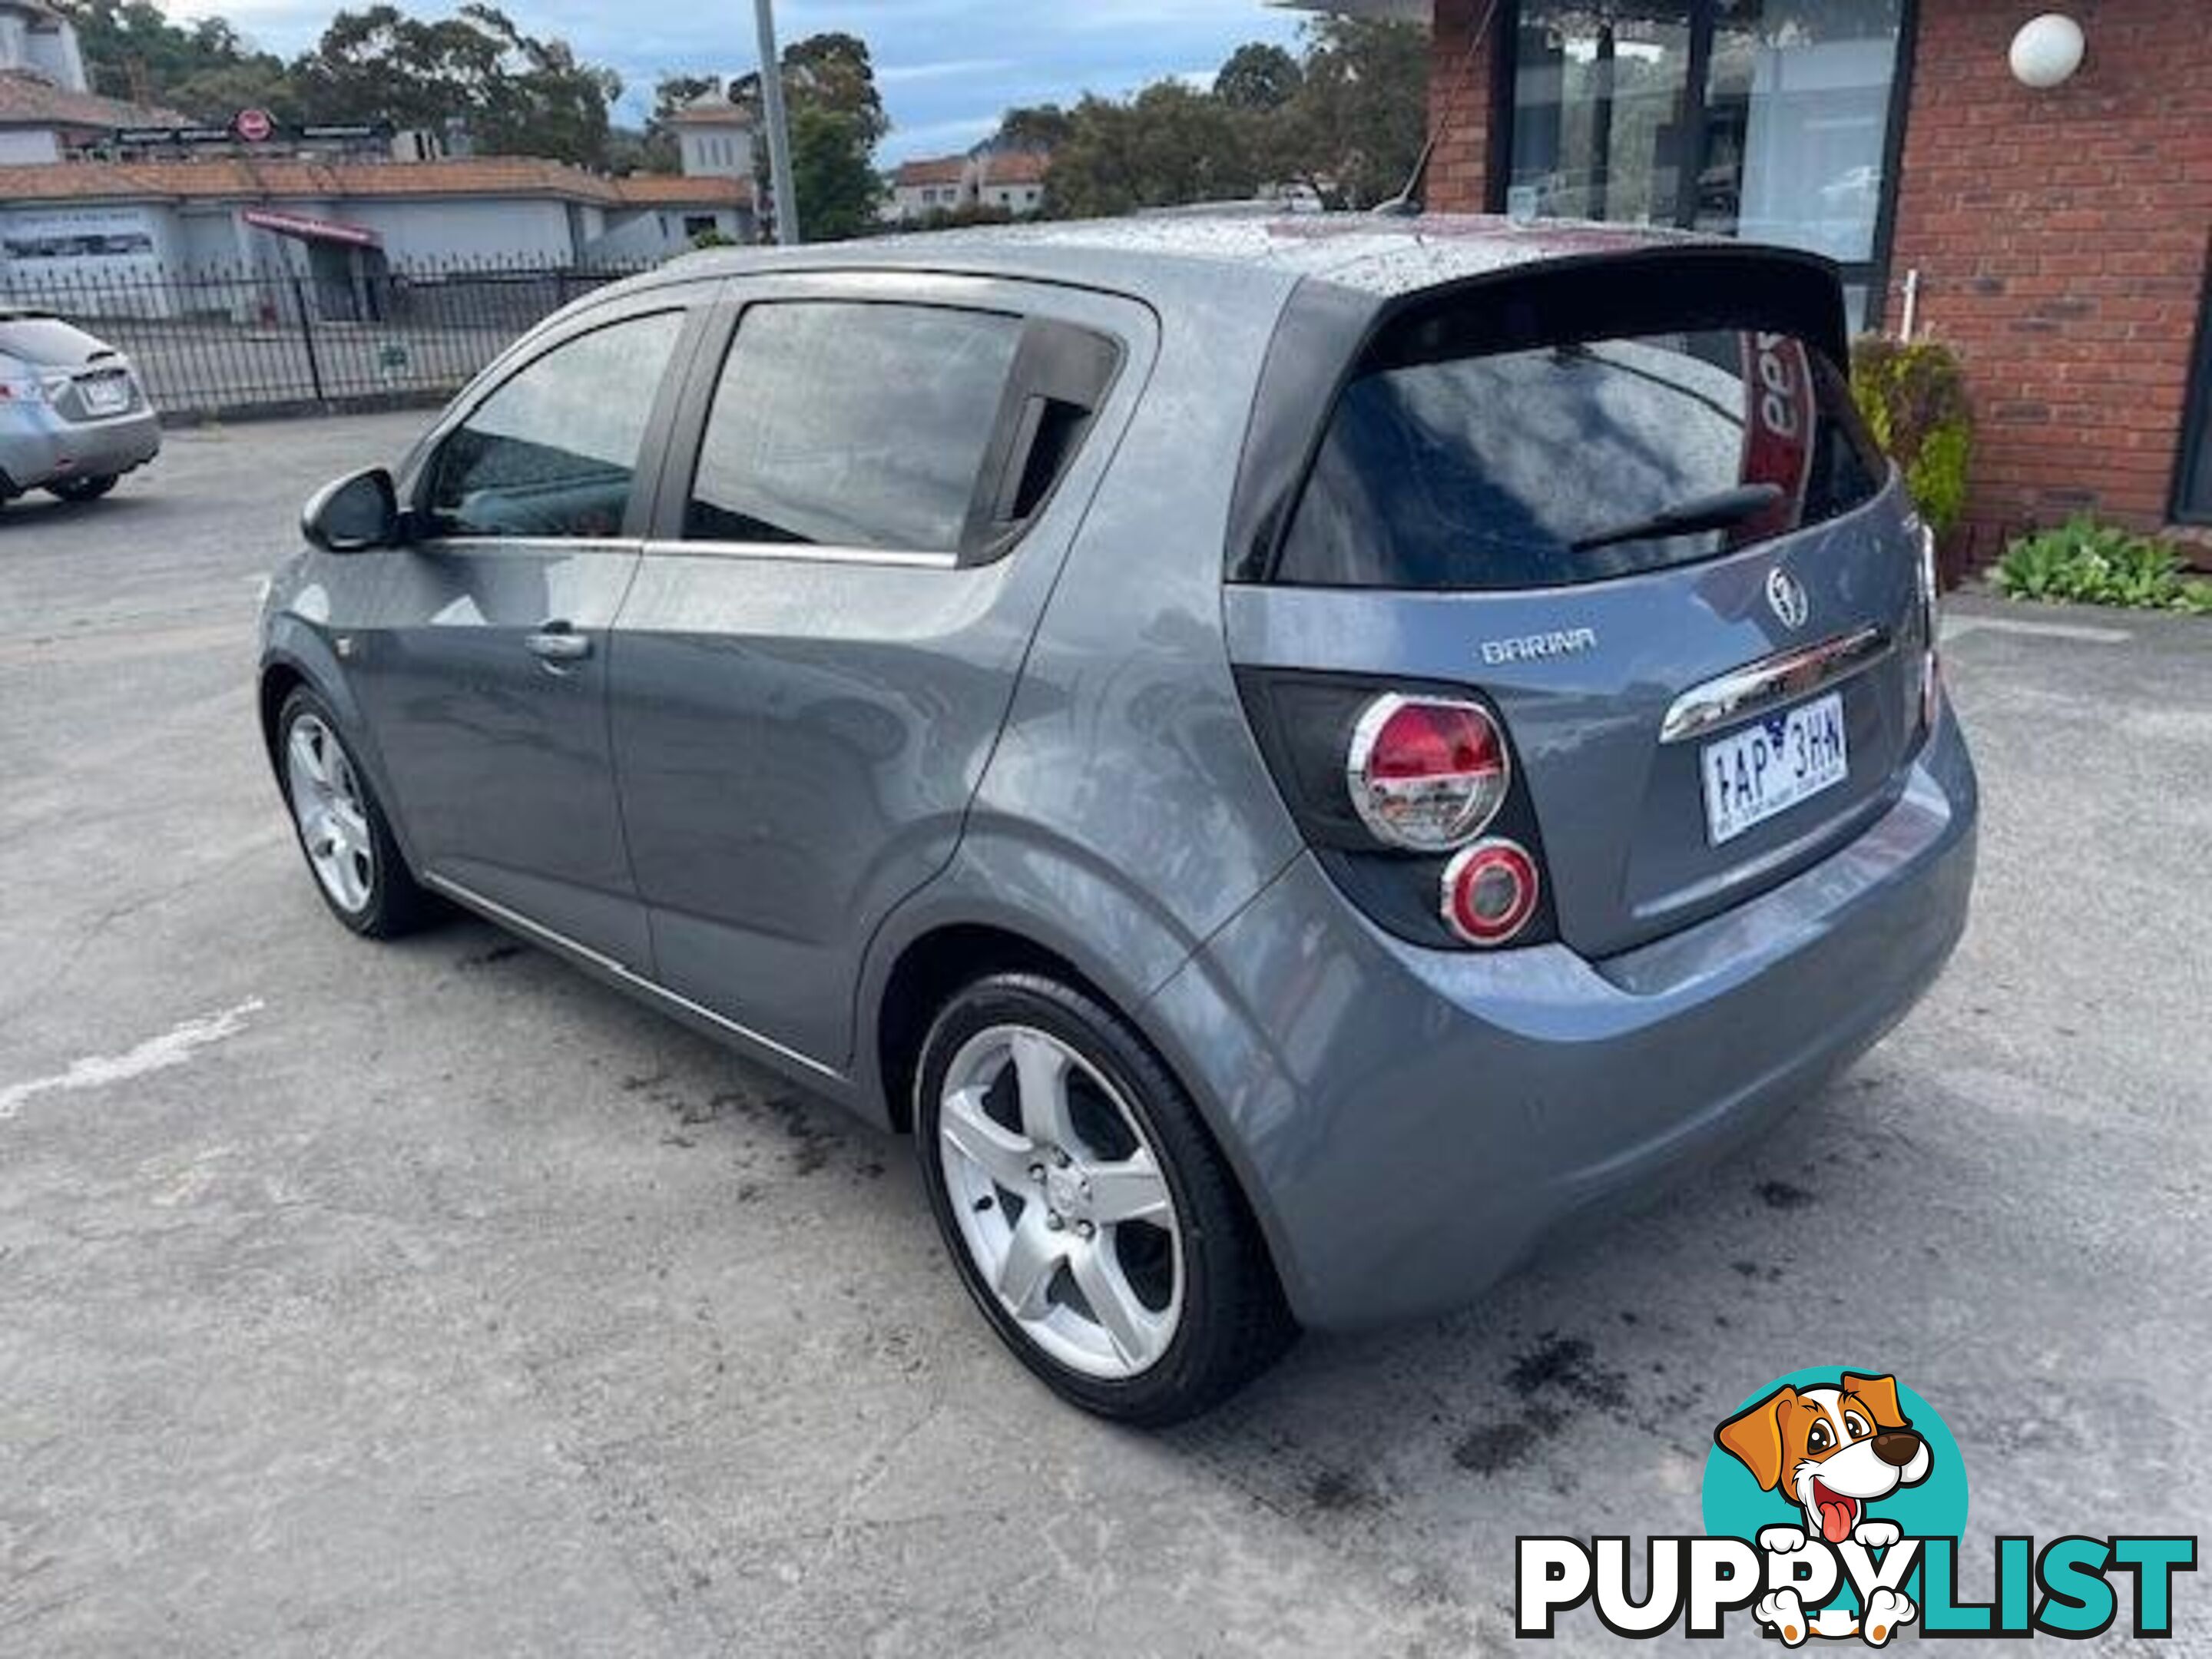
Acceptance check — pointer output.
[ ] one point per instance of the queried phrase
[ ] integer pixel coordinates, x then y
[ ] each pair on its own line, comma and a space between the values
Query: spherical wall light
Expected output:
2047, 50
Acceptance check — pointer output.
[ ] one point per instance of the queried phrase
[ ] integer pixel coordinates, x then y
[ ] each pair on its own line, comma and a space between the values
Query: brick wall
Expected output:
1459, 106
2061, 239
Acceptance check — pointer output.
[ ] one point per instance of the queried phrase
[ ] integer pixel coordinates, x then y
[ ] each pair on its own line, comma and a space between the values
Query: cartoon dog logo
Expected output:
1830, 1451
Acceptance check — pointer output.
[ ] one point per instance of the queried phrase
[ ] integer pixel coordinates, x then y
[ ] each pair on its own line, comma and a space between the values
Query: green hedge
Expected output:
1914, 397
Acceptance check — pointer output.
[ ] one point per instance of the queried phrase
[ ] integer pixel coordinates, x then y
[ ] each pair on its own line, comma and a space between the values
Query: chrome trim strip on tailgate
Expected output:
1743, 692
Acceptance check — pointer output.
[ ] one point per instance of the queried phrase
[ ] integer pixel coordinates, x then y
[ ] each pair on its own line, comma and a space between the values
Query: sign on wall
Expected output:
74, 236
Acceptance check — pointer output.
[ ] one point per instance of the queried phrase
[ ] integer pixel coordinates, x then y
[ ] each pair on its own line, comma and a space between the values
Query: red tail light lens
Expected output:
1490, 892
1426, 774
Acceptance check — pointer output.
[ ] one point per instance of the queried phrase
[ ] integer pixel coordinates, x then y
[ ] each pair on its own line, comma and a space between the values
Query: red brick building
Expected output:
2057, 236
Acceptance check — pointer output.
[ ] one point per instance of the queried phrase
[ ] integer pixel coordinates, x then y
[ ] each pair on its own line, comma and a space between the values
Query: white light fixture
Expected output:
2047, 50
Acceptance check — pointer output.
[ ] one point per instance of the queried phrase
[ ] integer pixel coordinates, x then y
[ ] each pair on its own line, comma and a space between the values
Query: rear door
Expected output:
1630, 505
879, 476
483, 668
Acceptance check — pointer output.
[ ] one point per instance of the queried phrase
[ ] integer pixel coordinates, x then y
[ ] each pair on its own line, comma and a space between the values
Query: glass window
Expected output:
1796, 122
1767, 120
1598, 111
1525, 469
554, 451
851, 425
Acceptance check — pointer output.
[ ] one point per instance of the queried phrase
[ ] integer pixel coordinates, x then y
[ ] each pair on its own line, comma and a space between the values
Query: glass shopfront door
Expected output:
1769, 119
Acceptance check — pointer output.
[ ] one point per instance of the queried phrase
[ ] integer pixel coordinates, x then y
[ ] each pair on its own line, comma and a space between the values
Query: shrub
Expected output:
2100, 564
1914, 397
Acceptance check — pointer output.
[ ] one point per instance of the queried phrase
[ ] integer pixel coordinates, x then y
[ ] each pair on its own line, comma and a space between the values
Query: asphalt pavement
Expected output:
432, 1299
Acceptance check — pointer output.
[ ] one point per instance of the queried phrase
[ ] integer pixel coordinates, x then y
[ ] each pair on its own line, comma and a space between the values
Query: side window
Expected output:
554, 451
847, 424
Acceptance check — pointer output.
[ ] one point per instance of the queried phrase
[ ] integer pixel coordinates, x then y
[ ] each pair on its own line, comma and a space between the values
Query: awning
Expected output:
310, 229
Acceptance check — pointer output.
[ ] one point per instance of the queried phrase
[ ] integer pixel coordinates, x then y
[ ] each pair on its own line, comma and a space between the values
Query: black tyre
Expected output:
343, 831
1087, 1209
83, 489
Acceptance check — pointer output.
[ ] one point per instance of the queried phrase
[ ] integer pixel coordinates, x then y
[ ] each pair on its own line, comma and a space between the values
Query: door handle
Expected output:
558, 642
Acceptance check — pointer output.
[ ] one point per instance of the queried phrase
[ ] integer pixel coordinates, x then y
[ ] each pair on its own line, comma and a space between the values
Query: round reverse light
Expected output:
1426, 774
1490, 892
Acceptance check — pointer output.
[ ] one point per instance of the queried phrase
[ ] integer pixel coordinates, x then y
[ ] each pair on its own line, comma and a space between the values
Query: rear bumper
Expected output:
1411, 1123
37, 447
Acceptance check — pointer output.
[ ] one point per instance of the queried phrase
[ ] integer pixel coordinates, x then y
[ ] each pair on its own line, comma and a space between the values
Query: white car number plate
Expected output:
1769, 767
106, 394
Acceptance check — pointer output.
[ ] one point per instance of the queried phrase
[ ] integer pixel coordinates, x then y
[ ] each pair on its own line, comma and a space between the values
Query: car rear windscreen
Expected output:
46, 341
1577, 459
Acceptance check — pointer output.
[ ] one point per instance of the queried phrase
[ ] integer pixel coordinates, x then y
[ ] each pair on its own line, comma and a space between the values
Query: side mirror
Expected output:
354, 512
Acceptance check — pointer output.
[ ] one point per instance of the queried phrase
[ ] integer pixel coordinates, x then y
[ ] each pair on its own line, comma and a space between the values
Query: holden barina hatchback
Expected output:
1294, 759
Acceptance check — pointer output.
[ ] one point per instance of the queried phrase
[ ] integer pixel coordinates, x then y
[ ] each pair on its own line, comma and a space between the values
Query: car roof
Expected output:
1155, 257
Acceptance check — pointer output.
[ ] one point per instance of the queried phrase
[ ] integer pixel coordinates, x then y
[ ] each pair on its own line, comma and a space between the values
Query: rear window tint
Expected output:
1525, 468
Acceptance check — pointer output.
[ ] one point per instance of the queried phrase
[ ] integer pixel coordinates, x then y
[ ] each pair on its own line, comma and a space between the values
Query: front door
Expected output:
486, 677
823, 639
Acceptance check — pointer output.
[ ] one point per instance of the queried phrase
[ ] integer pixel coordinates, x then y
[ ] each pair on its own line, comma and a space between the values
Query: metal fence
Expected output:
224, 340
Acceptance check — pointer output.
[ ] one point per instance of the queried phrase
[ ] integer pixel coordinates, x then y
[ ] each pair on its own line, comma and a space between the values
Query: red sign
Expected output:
1777, 429
312, 229
254, 125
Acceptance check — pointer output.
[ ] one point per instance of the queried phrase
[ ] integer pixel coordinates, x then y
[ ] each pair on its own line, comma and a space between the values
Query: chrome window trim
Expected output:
450, 545
801, 553
1753, 689
606, 964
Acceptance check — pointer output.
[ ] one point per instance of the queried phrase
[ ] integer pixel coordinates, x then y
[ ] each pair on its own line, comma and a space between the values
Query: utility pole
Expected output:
779, 131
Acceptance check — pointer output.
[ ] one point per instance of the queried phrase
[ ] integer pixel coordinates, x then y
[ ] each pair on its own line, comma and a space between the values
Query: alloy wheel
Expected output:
328, 806
1061, 1202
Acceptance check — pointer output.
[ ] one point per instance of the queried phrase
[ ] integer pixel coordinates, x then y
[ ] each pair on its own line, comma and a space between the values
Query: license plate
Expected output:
105, 395
1769, 768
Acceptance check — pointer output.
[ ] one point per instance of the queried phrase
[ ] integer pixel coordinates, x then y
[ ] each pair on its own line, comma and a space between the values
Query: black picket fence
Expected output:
220, 341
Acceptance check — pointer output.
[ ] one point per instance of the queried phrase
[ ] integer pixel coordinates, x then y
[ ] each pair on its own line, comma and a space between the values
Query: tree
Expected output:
837, 118
831, 73
1258, 77
1168, 145
1033, 127
132, 51
518, 95
838, 189
1358, 120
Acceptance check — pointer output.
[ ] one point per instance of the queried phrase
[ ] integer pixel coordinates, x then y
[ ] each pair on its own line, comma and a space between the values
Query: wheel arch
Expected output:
294, 657
930, 961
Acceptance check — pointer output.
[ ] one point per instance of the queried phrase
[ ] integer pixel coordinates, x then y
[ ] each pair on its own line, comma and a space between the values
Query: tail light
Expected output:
1426, 774
1490, 892
1409, 796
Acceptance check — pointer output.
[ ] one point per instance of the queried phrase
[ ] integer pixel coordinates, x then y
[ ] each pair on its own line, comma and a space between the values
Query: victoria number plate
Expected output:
1770, 766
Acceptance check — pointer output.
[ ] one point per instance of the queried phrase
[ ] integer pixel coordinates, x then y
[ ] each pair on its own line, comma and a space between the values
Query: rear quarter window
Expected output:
1533, 467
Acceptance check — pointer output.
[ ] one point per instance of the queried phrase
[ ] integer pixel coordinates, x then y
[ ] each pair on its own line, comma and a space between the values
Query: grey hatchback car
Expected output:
73, 418
1296, 757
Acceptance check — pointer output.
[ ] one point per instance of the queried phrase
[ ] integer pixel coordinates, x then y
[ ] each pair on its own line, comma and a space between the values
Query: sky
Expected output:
946, 68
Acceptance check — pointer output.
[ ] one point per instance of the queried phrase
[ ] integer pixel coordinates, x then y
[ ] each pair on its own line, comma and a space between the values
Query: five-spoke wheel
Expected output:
343, 831
326, 805
1061, 1200
1089, 1214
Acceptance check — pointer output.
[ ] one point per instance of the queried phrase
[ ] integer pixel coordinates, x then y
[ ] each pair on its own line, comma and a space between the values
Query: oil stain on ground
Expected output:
1554, 1380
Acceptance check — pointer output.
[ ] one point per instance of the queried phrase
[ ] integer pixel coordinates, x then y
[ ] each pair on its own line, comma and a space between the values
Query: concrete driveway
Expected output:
433, 1300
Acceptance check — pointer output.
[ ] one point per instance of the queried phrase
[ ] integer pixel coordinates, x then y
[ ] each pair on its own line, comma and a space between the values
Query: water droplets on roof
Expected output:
1380, 255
